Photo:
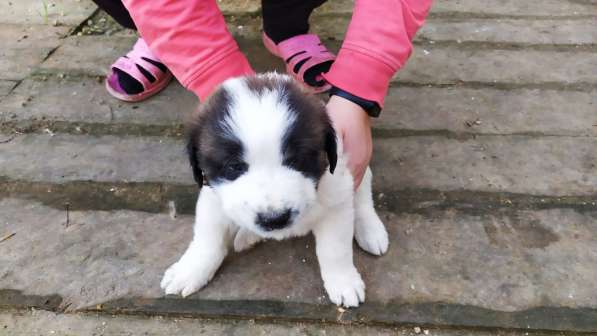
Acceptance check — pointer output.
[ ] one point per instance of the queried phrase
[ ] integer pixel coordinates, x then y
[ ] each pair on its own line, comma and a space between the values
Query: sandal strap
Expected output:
300, 53
136, 57
310, 61
127, 65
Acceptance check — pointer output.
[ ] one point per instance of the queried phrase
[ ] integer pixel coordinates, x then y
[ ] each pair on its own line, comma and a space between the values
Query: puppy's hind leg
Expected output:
245, 239
206, 252
370, 233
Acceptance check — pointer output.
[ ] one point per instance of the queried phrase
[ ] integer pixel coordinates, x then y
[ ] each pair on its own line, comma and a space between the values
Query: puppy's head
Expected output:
263, 144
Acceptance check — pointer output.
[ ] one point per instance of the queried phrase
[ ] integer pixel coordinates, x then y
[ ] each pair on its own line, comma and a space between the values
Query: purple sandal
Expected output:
142, 65
303, 54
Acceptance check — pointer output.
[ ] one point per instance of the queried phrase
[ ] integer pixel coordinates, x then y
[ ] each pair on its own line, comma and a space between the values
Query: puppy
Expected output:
274, 169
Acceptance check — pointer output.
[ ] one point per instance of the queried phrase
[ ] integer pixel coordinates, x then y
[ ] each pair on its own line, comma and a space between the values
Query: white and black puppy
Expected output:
275, 170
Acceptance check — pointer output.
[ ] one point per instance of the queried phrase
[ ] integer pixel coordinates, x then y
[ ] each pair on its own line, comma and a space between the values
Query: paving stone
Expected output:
63, 12
432, 64
516, 8
568, 165
452, 64
505, 31
84, 99
59, 158
517, 164
490, 110
443, 7
457, 109
495, 260
579, 31
25, 47
91, 55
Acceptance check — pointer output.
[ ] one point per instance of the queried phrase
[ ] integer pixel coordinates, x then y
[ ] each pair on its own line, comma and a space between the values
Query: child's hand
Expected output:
353, 127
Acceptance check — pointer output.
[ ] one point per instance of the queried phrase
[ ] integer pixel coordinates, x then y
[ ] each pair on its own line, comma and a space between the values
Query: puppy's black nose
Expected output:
270, 221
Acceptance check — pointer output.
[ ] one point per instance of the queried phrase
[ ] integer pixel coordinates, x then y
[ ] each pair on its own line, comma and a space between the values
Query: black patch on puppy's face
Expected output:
214, 152
311, 137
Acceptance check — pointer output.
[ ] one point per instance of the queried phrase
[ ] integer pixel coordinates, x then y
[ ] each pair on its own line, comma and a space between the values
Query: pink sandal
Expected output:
302, 53
130, 65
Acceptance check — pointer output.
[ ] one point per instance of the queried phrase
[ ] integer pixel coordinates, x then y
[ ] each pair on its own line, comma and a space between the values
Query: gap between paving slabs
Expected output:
154, 198
41, 322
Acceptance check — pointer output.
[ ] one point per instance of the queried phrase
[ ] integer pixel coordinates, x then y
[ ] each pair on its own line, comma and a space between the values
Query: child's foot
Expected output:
306, 59
138, 75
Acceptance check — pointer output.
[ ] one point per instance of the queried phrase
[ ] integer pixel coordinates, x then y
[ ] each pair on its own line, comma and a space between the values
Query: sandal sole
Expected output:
155, 89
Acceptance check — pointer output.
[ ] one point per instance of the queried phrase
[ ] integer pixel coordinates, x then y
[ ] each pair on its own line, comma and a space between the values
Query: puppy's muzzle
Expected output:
274, 220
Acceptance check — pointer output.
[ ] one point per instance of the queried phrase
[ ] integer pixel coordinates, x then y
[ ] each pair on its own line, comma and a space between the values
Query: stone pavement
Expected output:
485, 169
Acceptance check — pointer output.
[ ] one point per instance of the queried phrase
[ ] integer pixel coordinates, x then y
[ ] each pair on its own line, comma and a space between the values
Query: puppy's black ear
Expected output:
192, 150
331, 146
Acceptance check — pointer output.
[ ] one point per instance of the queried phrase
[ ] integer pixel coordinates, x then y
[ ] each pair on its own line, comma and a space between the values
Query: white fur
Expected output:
332, 211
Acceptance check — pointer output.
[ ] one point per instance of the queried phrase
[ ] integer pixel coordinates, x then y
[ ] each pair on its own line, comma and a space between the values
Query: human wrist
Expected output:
370, 107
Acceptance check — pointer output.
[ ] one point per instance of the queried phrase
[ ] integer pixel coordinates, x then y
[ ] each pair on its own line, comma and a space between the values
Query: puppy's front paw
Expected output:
245, 239
345, 288
187, 276
371, 234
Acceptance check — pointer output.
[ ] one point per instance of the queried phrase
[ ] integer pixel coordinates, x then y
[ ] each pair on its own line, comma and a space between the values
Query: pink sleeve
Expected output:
191, 38
377, 44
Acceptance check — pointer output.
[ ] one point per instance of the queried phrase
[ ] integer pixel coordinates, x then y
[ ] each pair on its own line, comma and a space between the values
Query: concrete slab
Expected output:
60, 158
492, 261
454, 64
90, 55
453, 109
472, 8
429, 65
25, 47
552, 8
568, 165
490, 111
63, 12
536, 32
93, 55
516, 164
576, 32
85, 99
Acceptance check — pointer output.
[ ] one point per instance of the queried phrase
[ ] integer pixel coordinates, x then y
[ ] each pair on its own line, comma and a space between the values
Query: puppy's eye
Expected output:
233, 169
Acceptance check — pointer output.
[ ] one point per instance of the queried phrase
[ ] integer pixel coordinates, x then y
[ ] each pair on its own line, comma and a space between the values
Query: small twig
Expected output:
7, 237
44, 15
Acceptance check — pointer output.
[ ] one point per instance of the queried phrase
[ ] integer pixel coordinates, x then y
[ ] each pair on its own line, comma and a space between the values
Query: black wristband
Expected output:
371, 107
